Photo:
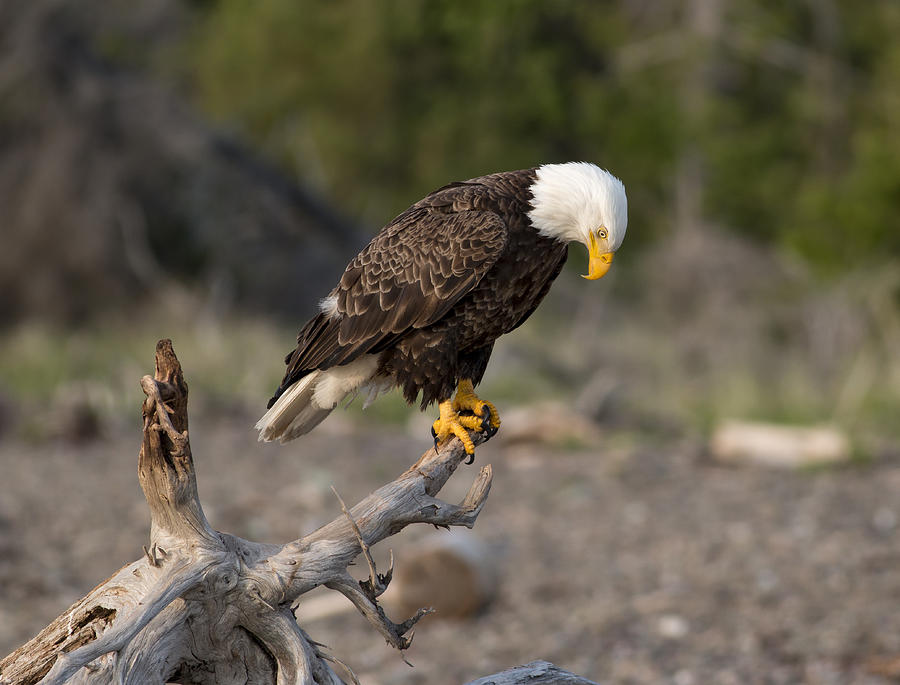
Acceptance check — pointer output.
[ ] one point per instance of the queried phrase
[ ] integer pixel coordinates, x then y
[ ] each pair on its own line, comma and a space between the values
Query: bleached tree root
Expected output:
535, 673
202, 606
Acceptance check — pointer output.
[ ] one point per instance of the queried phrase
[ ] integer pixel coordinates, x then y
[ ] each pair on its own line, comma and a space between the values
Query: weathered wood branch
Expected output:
535, 673
202, 606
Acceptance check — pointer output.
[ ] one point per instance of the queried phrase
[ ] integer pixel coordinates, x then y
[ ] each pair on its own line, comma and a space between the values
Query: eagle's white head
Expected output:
579, 201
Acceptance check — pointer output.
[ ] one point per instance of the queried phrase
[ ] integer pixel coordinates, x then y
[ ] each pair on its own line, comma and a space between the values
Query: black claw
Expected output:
434, 435
470, 460
487, 427
486, 419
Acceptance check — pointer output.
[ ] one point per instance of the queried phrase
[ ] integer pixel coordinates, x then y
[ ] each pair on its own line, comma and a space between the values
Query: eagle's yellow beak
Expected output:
599, 262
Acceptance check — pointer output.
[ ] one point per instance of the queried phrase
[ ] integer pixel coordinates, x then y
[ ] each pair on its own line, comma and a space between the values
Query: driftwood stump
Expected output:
202, 606
535, 673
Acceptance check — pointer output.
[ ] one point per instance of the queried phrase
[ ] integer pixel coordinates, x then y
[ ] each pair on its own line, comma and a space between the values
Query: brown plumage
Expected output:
422, 304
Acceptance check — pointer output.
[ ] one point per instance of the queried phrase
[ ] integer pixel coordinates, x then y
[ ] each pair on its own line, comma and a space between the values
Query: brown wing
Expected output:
408, 277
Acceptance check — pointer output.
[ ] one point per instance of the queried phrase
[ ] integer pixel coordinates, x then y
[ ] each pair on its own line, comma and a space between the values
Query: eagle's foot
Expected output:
467, 400
451, 424
466, 412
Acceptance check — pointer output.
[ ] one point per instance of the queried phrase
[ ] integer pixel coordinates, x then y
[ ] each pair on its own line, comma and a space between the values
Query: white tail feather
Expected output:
294, 403
305, 404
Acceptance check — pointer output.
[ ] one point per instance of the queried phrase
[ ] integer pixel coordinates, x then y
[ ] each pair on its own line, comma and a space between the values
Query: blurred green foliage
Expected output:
793, 109
378, 103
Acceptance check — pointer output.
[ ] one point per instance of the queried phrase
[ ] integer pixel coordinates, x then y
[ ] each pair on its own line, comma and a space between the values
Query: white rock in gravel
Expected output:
684, 677
672, 626
884, 520
766, 444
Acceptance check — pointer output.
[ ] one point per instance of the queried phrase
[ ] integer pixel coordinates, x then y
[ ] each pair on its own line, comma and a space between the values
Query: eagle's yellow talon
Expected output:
464, 438
472, 423
452, 424
467, 400
481, 416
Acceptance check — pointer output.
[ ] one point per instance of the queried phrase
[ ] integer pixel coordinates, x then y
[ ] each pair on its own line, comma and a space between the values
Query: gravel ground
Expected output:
631, 563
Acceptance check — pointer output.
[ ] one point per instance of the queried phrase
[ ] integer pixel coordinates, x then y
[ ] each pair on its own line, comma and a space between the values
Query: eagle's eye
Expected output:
602, 232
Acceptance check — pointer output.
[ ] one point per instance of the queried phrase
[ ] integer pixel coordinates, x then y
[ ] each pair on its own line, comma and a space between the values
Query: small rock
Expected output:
884, 520
684, 677
766, 444
672, 626
635, 513
551, 422
453, 573
767, 581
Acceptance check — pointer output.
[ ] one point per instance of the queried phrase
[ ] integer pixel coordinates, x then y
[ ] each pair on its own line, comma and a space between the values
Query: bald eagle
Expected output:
421, 305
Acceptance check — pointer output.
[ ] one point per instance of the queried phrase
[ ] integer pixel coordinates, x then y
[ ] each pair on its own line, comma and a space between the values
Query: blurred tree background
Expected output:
237, 153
